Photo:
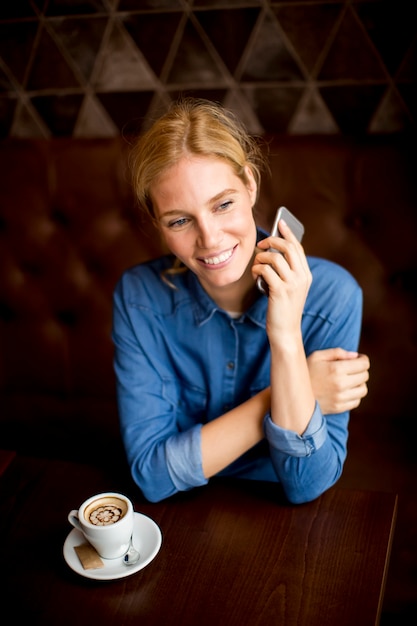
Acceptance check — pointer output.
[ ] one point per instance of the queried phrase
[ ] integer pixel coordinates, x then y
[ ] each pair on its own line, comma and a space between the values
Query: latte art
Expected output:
107, 522
105, 510
105, 515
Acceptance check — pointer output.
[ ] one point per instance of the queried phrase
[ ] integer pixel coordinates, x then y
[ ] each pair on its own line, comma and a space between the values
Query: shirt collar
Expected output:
204, 308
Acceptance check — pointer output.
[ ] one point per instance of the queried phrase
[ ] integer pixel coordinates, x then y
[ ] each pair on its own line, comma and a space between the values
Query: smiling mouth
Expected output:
217, 260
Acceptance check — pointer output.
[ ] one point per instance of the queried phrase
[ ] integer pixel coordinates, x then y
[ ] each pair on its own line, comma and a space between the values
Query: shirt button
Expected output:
230, 365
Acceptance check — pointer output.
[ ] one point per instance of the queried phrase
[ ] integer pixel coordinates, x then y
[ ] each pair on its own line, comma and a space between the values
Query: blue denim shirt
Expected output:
181, 361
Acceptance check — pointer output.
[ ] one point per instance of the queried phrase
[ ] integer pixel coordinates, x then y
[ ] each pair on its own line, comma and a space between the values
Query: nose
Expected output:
209, 233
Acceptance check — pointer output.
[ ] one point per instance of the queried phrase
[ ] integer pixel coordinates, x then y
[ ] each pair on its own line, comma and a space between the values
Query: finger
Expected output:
280, 243
354, 400
356, 380
282, 264
364, 358
286, 231
355, 393
350, 366
334, 354
357, 366
351, 399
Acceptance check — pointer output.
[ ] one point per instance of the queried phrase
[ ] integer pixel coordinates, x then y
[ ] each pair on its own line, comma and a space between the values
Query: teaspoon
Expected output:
132, 555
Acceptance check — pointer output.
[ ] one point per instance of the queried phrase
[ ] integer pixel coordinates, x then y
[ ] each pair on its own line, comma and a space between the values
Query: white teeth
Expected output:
215, 260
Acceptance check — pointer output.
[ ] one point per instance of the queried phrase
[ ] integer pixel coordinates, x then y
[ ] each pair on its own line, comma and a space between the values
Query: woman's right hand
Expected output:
339, 379
288, 276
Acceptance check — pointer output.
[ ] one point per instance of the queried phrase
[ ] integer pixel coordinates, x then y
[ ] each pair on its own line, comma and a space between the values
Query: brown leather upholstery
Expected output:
69, 227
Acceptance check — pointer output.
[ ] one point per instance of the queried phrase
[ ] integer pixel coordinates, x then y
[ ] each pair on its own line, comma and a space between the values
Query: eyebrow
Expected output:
225, 192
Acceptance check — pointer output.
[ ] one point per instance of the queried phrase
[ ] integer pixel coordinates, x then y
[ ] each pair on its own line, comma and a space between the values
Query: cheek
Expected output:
168, 239
247, 225
178, 245
250, 236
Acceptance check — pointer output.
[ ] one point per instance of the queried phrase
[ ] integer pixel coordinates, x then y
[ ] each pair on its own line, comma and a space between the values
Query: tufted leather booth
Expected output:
69, 227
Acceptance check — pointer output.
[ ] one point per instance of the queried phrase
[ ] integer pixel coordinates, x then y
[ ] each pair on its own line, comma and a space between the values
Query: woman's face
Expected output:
205, 214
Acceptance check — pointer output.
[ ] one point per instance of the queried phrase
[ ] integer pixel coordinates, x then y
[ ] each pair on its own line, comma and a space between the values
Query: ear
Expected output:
251, 185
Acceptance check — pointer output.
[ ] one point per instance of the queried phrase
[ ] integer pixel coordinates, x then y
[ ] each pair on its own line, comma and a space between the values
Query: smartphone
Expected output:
296, 227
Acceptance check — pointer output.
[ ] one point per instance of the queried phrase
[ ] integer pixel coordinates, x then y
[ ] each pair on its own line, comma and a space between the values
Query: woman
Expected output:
212, 375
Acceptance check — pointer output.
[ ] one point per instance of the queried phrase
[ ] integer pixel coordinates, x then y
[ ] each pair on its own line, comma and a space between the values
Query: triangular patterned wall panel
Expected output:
98, 68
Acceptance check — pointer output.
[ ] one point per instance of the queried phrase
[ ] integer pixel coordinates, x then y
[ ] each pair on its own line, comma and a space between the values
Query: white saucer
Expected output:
147, 538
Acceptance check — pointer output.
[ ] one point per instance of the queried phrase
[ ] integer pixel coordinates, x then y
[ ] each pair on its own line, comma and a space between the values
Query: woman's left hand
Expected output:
339, 379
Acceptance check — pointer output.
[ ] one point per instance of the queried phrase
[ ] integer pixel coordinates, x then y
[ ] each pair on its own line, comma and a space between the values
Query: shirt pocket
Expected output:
188, 401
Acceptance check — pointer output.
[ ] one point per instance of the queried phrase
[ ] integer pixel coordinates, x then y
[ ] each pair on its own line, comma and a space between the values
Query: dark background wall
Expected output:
95, 68
100, 68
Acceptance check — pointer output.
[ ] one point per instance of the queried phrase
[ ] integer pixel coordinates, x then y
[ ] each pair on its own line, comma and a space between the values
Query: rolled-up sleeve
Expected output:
183, 457
291, 443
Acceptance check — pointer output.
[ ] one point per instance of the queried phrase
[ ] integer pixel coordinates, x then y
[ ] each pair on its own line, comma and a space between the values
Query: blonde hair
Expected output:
196, 127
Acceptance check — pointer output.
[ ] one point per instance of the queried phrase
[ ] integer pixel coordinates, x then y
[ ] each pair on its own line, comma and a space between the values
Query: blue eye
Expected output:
178, 223
225, 205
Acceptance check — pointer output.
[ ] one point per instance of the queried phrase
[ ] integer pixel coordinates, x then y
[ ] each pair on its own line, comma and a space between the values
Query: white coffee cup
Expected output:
106, 521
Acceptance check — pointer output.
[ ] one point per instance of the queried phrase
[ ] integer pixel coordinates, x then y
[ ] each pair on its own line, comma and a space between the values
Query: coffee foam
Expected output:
105, 511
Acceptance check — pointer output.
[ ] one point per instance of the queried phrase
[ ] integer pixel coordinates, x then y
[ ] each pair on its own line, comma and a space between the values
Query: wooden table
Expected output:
232, 553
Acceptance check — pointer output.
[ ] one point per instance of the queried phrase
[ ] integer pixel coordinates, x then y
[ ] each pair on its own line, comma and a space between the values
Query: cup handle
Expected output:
73, 519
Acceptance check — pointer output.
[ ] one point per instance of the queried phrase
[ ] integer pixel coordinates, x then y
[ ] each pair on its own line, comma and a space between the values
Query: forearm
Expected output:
226, 438
292, 396
161, 466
